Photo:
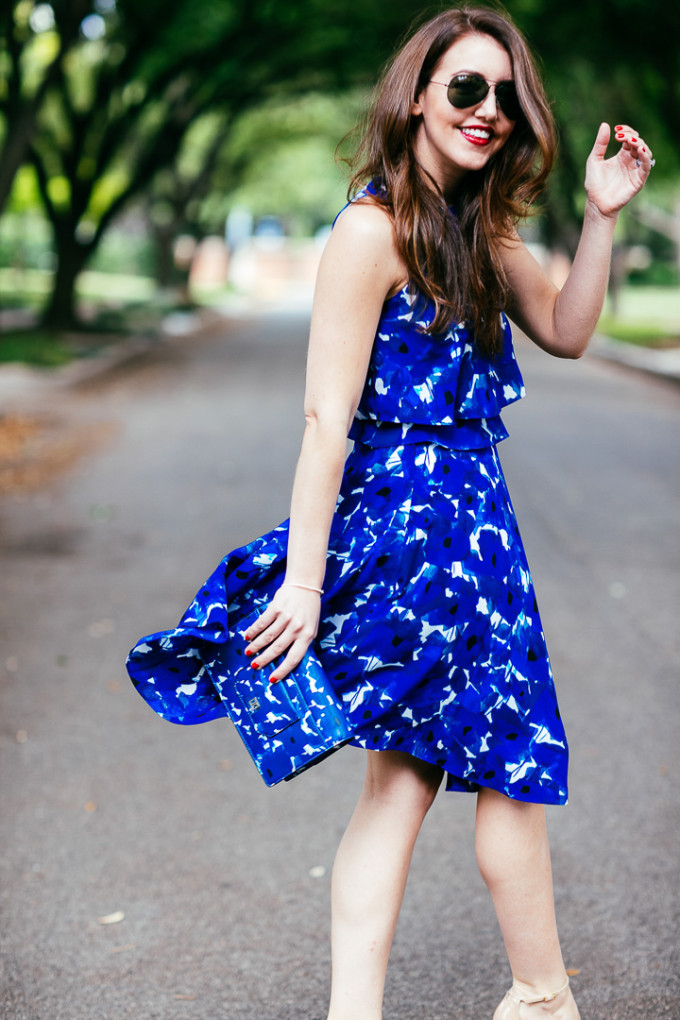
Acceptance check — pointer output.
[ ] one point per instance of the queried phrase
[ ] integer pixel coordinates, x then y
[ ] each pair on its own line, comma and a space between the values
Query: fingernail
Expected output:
273, 679
254, 665
250, 652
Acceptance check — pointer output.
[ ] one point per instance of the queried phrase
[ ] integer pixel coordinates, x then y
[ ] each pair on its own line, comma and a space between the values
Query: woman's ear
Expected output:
416, 108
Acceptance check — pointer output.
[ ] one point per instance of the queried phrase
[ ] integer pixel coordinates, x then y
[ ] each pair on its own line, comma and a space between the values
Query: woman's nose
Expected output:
488, 107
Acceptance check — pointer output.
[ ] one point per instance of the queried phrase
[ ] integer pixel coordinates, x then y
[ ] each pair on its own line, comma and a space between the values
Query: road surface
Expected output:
223, 885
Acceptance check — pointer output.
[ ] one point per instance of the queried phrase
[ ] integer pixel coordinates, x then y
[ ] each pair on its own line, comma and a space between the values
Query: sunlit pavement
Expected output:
146, 872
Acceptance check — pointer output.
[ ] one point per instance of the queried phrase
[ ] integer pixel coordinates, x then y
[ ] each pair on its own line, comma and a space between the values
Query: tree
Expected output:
102, 95
28, 68
123, 88
611, 60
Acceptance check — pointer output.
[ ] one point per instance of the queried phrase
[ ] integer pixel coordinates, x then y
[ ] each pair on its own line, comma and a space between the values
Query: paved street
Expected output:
223, 885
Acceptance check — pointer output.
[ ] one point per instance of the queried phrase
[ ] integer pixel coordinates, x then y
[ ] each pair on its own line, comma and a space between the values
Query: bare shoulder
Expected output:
366, 219
363, 233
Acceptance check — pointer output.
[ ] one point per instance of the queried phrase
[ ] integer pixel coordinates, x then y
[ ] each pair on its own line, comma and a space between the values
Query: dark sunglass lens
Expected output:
467, 90
506, 94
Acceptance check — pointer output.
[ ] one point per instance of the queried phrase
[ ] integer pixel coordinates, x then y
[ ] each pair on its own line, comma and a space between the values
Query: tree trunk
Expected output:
61, 311
165, 265
170, 276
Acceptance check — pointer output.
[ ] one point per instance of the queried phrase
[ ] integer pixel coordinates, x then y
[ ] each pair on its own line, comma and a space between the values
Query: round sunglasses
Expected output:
470, 89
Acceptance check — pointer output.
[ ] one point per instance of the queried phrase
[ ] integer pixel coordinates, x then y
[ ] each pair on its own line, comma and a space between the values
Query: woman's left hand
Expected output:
611, 183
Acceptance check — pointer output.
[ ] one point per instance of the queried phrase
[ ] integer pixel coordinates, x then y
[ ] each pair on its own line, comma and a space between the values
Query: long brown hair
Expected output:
454, 260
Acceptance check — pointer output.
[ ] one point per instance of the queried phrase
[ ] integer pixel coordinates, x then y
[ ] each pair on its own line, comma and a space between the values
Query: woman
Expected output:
428, 625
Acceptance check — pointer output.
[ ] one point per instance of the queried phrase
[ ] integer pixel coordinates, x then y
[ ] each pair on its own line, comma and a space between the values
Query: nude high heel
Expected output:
560, 1005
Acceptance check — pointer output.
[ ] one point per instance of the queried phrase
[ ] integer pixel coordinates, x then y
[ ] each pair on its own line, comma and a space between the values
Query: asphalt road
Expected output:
224, 884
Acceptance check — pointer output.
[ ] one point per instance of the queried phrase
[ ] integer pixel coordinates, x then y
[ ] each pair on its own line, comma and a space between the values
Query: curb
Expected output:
664, 363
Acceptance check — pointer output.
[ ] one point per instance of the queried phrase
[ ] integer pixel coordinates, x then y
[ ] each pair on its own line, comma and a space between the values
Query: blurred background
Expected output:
160, 157
168, 174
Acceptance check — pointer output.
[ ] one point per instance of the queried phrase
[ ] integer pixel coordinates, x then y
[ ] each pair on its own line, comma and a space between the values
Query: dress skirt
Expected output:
429, 630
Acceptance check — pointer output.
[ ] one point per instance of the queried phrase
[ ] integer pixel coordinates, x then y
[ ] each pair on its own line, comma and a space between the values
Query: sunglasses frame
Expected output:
505, 94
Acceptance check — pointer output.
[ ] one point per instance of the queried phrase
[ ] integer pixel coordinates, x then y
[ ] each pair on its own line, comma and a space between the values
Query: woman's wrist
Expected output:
594, 213
298, 584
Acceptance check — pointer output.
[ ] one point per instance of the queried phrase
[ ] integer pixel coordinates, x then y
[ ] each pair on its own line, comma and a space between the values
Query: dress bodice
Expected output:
418, 381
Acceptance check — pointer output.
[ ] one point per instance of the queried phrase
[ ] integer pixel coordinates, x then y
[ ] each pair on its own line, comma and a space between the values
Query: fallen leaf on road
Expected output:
34, 450
573, 972
114, 918
90, 806
122, 949
188, 998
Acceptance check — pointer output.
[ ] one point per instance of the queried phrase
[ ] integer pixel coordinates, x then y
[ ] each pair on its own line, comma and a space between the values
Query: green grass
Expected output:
30, 287
641, 334
648, 316
35, 347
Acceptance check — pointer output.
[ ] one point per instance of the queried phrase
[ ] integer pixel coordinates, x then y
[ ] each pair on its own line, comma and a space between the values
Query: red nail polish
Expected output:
254, 665
273, 679
250, 652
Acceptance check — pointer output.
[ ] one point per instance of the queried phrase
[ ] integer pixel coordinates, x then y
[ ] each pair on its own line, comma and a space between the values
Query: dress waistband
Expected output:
466, 434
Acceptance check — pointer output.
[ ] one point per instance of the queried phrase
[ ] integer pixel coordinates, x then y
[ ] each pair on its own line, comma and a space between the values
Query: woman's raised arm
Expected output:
563, 321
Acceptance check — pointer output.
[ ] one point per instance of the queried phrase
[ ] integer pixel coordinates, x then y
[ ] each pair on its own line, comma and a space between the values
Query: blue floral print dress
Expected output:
429, 630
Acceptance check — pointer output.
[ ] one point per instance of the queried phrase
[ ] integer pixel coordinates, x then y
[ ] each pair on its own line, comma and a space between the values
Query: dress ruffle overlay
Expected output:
429, 631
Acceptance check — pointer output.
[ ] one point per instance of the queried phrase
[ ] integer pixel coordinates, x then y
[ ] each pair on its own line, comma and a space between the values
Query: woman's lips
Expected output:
477, 136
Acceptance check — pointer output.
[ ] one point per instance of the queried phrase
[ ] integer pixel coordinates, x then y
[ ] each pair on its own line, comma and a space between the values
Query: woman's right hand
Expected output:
288, 626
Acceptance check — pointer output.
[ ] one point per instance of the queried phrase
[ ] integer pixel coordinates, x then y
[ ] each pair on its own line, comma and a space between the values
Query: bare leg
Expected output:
369, 878
514, 859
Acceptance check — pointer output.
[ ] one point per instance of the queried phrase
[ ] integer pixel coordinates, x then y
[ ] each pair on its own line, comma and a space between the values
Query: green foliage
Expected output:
24, 241
25, 195
124, 251
613, 60
104, 102
280, 159
657, 274
196, 108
